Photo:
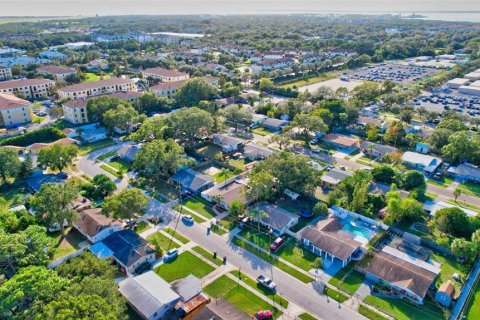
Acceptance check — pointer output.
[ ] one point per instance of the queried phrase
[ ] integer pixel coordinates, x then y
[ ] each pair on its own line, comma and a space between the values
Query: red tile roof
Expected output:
165, 72
9, 101
56, 69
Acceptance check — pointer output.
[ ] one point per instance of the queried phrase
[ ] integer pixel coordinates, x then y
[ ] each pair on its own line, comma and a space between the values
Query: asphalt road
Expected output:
447, 193
303, 295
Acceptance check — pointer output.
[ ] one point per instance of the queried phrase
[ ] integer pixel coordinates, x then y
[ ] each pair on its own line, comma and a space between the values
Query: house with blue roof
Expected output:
422, 148
193, 181
127, 248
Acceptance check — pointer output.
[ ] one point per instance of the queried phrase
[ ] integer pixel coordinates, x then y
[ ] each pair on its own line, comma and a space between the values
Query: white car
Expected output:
187, 218
266, 282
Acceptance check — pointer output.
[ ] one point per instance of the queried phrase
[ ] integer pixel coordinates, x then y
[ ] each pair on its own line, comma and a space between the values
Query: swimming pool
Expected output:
359, 232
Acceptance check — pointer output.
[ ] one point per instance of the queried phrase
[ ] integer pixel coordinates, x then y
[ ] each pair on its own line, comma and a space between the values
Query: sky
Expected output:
154, 7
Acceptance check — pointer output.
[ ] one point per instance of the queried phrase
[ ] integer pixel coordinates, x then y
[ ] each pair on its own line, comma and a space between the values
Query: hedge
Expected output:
43, 135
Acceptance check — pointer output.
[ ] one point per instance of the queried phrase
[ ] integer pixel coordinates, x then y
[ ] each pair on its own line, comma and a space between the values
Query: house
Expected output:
14, 111
164, 75
422, 148
465, 172
193, 181
431, 207
192, 298
334, 176
35, 182
274, 125
167, 89
95, 225
221, 310
5, 73
445, 294
149, 295
258, 119
366, 121
92, 133
128, 152
407, 276
52, 54
28, 88
76, 112
226, 142
422, 162
125, 247
226, 193
327, 239
342, 142
376, 150
253, 151
60, 73
275, 218
89, 89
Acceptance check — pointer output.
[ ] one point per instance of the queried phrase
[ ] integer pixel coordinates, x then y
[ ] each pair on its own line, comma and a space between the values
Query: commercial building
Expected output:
164, 75
471, 90
14, 111
89, 89
457, 83
5, 73
27, 88
60, 73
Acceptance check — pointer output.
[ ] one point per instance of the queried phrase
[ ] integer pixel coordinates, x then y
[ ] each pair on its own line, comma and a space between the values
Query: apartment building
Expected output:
89, 89
75, 111
14, 111
167, 89
60, 73
5, 73
164, 75
27, 88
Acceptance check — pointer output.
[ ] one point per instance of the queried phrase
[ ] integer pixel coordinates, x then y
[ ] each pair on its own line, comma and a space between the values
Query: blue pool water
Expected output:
358, 231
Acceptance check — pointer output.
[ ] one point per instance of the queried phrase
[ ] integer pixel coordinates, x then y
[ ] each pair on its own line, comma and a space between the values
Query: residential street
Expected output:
304, 295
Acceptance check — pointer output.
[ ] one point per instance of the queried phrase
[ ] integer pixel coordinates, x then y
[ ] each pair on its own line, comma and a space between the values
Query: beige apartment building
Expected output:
5, 73
164, 75
28, 88
14, 111
75, 111
60, 73
89, 89
167, 89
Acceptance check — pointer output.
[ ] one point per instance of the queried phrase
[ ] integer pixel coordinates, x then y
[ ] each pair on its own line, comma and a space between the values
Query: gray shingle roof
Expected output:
275, 217
191, 179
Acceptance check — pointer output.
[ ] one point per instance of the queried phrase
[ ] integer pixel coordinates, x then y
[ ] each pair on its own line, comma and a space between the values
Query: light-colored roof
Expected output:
95, 85
10, 101
122, 95
465, 169
234, 191
56, 69
147, 293
174, 85
92, 221
341, 140
24, 83
335, 175
225, 139
165, 72
188, 287
418, 158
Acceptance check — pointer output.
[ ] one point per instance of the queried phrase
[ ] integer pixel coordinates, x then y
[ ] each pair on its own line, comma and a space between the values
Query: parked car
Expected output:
266, 282
263, 315
187, 218
170, 255
276, 244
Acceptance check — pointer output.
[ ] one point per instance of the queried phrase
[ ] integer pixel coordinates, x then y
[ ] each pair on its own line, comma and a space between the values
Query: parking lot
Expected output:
403, 74
449, 100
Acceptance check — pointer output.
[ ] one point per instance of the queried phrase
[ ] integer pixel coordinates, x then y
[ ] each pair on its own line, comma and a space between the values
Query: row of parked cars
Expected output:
393, 73
453, 102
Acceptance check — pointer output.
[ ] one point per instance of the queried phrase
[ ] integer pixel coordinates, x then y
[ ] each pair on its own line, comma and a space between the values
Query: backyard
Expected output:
238, 163
239, 296
219, 178
66, 245
185, 264
14, 194
209, 151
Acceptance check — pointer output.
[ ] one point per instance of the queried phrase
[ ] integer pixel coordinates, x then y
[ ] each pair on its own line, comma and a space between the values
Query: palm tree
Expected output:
256, 214
456, 193
224, 173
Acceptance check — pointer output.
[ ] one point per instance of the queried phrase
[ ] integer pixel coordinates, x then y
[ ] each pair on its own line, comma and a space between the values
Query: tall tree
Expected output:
122, 118
261, 186
54, 202
57, 156
237, 115
151, 129
98, 106
193, 91
191, 125
309, 126
126, 204
10, 164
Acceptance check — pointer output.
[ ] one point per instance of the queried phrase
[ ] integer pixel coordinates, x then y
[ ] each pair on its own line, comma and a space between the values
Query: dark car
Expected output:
276, 244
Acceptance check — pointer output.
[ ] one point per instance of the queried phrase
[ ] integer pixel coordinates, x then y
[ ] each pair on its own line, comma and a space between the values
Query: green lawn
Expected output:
207, 255
90, 147
448, 268
444, 182
271, 259
472, 187
185, 264
473, 310
142, 226
220, 178
209, 151
200, 206
350, 283
255, 285
402, 310
336, 295
66, 245
463, 204
258, 237
297, 256
14, 195
120, 165
91, 77
312, 80
370, 314
227, 223
238, 163
163, 241
112, 170
176, 235
261, 132
239, 296
107, 155
307, 316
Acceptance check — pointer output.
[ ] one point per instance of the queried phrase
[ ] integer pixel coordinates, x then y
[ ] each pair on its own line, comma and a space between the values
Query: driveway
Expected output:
303, 295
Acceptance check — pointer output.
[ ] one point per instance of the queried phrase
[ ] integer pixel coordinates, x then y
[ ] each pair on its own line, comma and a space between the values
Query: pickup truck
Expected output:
266, 282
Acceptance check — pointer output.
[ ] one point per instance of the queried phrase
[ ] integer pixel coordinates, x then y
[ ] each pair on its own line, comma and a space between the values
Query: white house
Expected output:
96, 226
228, 143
